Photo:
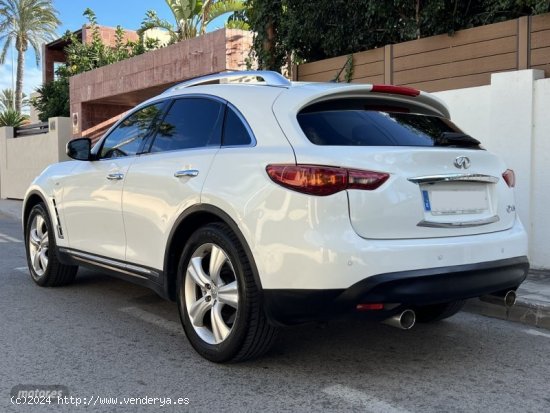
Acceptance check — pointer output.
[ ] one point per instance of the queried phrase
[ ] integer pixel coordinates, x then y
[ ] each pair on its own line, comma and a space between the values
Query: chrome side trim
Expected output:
270, 78
142, 270
129, 269
109, 267
454, 178
58, 226
463, 224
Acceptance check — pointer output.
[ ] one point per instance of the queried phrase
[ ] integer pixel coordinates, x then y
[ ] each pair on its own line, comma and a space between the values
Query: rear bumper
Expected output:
398, 290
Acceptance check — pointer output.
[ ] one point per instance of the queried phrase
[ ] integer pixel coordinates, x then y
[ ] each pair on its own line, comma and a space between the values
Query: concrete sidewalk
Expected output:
533, 297
532, 305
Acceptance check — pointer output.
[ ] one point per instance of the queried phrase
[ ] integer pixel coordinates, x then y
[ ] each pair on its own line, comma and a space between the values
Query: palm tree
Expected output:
25, 23
192, 16
7, 99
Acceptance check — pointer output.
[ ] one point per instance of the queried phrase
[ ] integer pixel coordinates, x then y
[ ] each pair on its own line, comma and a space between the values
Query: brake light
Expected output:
324, 180
510, 177
396, 90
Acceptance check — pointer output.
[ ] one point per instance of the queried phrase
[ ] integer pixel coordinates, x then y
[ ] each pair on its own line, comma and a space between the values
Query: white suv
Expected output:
268, 203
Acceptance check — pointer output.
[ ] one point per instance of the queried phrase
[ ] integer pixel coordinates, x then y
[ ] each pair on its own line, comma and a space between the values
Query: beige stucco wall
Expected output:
510, 118
33, 112
23, 158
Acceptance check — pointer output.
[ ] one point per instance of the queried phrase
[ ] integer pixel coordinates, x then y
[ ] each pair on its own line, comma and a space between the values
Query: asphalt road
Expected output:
104, 338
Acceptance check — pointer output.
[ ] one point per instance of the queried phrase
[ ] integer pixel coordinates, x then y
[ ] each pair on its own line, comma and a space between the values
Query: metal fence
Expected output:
32, 129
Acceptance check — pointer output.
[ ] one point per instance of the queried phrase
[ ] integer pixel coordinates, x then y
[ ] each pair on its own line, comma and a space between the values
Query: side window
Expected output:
190, 123
127, 137
234, 130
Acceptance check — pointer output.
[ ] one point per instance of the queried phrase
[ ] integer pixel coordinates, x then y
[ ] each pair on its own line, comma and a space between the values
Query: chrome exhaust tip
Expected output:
510, 298
404, 320
507, 299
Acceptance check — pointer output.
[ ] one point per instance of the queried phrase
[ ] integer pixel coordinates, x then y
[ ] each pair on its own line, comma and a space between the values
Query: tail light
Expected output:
510, 177
324, 180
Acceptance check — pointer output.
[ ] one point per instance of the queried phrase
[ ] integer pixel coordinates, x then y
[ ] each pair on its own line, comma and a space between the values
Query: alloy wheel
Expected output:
39, 245
211, 293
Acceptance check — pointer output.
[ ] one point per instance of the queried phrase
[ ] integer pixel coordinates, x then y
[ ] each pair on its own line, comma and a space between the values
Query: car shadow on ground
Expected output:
340, 345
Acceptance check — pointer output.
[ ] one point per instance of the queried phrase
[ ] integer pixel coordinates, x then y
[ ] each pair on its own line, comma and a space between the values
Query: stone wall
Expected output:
100, 96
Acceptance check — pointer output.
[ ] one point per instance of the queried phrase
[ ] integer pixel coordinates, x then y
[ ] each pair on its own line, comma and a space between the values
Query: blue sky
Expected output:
126, 13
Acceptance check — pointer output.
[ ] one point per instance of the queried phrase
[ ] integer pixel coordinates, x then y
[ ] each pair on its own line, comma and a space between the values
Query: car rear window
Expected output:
354, 122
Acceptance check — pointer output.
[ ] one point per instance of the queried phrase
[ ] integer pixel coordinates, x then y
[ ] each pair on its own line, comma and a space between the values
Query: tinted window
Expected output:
190, 123
357, 124
234, 130
126, 139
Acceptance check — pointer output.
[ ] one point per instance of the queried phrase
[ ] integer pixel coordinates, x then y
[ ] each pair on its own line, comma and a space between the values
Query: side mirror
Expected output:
79, 149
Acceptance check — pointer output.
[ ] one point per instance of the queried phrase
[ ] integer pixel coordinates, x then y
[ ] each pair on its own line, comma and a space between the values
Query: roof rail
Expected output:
270, 79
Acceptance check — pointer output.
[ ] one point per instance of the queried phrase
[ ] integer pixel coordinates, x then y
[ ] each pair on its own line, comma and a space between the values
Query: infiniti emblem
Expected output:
462, 162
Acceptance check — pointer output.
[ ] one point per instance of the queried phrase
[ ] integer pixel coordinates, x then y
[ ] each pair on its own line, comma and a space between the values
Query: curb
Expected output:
526, 312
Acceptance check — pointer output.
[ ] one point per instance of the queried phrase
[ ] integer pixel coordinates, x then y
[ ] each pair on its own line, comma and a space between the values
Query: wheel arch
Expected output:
32, 199
185, 225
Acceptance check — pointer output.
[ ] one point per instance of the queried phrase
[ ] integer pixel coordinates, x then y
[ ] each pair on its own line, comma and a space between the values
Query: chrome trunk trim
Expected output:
429, 179
461, 224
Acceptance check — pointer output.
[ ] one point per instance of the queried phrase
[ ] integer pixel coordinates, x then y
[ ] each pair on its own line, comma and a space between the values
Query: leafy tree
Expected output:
493, 11
319, 29
238, 20
12, 118
53, 99
25, 23
153, 21
81, 57
270, 42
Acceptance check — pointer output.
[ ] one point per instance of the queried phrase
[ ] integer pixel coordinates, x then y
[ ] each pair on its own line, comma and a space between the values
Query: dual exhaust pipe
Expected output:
404, 320
407, 318
506, 298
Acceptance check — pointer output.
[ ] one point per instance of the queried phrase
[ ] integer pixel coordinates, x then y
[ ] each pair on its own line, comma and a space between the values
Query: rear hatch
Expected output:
442, 182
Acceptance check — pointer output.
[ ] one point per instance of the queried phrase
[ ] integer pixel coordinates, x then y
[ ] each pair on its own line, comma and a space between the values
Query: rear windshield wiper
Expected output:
459, 139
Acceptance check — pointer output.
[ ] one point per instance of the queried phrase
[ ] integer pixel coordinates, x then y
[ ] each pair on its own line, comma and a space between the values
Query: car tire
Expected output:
218, 300
45, 268
438, 312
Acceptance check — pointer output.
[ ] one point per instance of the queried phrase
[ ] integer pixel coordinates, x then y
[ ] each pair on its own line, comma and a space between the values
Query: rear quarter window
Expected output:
235, 132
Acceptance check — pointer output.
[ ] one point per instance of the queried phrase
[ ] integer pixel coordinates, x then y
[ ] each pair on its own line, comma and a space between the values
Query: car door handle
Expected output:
115, 176
187, 172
